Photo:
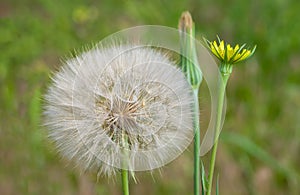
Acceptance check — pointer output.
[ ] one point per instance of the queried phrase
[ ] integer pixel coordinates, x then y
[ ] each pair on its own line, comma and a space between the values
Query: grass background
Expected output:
260, 142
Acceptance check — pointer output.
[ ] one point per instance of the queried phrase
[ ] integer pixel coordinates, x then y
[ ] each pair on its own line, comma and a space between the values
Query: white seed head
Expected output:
123, 107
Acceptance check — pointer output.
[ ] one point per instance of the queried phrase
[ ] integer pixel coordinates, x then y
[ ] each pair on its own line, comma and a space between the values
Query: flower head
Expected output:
228, 54
122, 103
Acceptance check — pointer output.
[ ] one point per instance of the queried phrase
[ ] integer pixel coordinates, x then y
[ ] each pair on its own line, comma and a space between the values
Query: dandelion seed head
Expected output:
125, 103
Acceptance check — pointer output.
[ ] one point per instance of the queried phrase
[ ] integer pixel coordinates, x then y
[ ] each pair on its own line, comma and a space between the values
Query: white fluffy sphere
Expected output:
123, 107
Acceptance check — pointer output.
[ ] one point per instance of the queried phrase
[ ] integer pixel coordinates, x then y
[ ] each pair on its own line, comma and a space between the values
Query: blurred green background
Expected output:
260, 142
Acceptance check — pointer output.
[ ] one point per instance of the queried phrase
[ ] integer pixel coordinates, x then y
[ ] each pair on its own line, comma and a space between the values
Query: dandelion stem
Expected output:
124, 171
125, 185
196, 146
218, 129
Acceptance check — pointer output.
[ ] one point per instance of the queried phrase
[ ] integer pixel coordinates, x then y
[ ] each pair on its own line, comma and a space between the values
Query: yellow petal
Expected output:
229, 47
236, 48
213, 47
222, 45
230, 52
245, 55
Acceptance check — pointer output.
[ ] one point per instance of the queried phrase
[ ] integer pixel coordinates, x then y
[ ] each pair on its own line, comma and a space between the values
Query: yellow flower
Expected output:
228, 54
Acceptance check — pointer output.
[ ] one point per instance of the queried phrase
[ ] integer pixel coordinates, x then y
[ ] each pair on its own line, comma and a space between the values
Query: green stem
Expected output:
212, 166
196, 145
218, 129
124, 170
190, 66
125, 186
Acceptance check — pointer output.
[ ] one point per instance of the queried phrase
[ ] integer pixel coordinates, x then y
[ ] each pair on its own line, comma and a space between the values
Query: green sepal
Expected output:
188, 58
225, 68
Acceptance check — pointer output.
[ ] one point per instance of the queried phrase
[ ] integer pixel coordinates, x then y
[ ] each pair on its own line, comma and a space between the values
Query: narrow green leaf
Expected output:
203, 179
217, 186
